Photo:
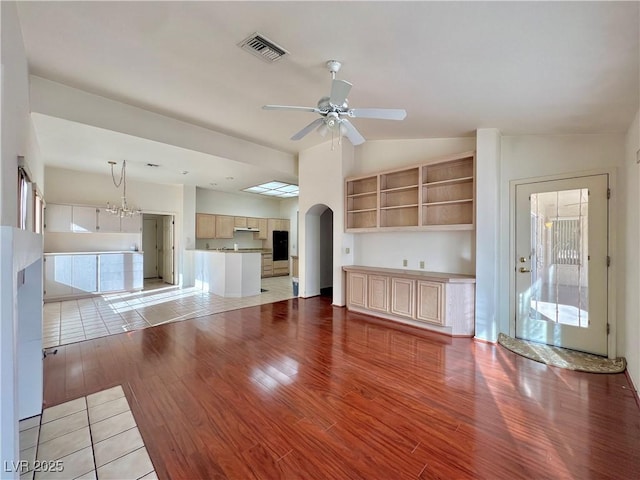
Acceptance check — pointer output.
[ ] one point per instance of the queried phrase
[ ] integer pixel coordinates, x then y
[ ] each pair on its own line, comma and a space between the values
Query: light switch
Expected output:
421, 263
347, 250
404, 262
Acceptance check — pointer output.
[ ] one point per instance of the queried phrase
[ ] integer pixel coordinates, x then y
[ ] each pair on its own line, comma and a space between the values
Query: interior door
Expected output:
561, 263
168, 248
150, 247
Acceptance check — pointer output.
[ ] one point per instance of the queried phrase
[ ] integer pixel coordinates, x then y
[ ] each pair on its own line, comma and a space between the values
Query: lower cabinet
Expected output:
267, 265
436, 301
378, 293
403, 298
280, 267
75, 275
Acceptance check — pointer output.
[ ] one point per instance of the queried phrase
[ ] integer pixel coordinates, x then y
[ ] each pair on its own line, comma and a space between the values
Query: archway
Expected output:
318, 259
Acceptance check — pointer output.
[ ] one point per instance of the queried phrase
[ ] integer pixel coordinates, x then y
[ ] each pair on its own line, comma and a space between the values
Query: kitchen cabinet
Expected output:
267, 265
70, 218
262, 234
240, 222
435, 195
84, 219
58, 218
120, 271
205, 225
88, 219
224, 226
443, 302
75, 275
107, 222
253, 222
280, 268
70, 275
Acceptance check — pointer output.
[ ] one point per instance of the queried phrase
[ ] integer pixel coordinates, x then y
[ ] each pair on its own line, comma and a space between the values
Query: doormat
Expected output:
562, 357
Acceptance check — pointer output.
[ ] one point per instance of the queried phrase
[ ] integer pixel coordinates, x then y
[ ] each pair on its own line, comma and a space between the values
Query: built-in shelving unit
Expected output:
435, 195
362, 202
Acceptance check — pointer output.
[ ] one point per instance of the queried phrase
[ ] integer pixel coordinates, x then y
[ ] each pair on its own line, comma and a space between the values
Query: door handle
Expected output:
524, 270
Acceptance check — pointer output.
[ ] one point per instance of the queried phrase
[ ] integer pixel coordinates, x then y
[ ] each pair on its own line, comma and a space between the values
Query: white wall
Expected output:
321, 181
629, 276
239, 205
20, 323
532, 156
451, 252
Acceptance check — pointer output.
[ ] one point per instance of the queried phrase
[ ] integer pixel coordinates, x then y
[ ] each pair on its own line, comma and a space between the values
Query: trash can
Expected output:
295, 286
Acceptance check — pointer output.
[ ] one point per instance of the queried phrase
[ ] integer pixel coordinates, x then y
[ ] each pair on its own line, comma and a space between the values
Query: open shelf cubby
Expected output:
437, 195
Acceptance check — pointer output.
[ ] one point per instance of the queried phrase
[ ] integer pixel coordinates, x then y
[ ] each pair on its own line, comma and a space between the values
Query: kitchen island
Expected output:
228, 273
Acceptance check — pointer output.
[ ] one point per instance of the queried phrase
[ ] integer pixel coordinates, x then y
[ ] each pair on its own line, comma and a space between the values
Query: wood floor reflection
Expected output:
300, 389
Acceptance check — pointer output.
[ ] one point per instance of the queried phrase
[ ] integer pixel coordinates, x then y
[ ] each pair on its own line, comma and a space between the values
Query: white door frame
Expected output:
611, 273
173, 246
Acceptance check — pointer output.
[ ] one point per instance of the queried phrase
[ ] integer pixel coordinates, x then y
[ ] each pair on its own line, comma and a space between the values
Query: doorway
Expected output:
318, 273
561, 246
158, 247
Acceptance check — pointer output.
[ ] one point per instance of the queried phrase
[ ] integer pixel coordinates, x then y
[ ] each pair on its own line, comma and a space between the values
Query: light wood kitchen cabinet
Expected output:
436, 301
280, 268
253, 222
436, 195
263, 232
205, 225
224, 226
402, 297
240, 222
378, 293
267, 265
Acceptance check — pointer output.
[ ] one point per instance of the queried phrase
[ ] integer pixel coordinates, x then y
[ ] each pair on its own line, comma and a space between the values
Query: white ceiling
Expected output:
523, 67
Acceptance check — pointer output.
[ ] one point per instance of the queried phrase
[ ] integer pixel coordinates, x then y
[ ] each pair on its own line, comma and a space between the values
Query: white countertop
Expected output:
93, 253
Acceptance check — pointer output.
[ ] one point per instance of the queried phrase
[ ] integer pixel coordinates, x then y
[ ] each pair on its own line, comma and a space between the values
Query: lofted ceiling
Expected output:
522, 67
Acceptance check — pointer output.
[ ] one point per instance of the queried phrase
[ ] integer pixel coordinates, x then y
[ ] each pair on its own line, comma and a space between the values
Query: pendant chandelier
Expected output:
123, 210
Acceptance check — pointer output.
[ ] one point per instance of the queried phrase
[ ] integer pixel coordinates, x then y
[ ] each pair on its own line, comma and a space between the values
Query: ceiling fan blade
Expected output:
307, 129
339, 91
287, 107
379, 113
352, 134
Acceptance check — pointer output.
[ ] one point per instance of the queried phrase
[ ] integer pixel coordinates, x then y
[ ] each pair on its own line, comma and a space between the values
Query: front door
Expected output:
561, 262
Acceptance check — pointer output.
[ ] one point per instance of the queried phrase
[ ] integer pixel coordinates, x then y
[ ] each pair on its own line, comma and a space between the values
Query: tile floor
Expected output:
92, 437
72, 321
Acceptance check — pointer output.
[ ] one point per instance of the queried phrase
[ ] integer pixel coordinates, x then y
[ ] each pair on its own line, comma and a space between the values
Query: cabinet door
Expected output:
84, 219
263, 226
403, 297
267, 265
57, 275
430, 302
85, 273
253, 222
131, 224
284, 224
357, 289
378, 293
224, 226
107, 222
240, 222
58, 218
205, 225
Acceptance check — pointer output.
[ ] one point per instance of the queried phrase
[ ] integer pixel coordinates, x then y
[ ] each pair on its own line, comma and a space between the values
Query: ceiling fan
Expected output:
334, 111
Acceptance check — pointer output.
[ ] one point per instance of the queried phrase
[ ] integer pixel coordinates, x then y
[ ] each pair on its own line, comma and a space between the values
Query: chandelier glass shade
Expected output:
122, 210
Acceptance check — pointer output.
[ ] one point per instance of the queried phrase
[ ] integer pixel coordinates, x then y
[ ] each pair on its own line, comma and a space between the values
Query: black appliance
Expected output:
280, 245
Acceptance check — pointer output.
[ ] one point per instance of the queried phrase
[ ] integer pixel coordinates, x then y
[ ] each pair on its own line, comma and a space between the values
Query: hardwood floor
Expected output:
302, 390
